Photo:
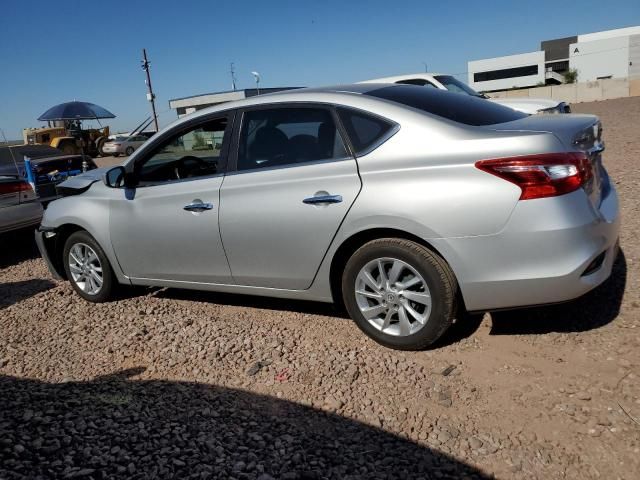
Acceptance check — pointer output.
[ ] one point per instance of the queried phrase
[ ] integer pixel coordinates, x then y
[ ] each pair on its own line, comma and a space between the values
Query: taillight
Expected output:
14, 187
543, 175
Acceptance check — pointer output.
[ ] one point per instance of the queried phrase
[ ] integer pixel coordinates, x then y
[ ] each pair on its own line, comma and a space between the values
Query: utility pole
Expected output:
150, 95
233, 77
426, 67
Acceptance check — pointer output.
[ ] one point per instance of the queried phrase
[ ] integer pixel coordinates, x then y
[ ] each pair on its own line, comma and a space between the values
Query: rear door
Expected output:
293, 184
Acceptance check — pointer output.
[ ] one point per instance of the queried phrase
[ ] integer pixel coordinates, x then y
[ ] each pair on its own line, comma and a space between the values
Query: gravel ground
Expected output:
169, 383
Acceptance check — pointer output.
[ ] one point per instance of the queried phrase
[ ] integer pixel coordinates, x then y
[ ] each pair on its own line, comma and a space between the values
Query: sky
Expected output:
82, 50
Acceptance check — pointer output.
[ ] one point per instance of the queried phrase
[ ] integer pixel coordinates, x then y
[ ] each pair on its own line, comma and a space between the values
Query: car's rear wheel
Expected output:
129, 151
399, 293
88, 268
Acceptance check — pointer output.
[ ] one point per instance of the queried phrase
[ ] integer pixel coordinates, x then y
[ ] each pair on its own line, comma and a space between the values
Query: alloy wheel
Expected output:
393, 297
85, 268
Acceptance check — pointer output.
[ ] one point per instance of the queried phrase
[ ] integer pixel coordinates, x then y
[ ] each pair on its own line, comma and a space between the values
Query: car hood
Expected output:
526, 105
81, 183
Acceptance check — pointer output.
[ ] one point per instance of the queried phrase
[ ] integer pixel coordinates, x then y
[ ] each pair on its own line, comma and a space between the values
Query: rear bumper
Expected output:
42, 243
544, 255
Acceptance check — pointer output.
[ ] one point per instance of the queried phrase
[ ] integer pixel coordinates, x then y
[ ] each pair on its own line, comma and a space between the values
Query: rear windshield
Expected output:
452, 106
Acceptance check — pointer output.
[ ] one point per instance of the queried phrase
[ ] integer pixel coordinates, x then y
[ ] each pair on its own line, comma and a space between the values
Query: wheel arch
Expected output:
55, 246
349, 246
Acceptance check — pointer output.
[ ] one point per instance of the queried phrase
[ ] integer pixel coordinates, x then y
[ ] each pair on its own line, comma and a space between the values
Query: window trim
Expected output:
232, 164
148, 150
395, 128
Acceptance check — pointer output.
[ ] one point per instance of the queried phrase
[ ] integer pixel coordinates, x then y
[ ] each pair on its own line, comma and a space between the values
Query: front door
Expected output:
166, 227
293, 185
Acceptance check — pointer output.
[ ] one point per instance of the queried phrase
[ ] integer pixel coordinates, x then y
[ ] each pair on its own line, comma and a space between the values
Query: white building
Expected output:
608, 54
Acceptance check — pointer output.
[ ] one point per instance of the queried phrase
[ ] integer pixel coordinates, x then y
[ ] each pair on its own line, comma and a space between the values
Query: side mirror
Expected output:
118, 177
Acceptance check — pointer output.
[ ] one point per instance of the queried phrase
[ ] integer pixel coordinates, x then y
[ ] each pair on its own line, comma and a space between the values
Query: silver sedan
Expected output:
406, 205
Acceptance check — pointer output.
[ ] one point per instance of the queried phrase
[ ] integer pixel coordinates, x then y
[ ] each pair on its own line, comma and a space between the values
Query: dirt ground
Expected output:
169, 383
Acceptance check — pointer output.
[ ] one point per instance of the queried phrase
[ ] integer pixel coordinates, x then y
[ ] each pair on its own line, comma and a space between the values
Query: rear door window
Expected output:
275, 137
365, 131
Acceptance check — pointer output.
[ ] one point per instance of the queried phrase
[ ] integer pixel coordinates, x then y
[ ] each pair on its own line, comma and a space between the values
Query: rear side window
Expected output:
452, 106
283, 136
365, 131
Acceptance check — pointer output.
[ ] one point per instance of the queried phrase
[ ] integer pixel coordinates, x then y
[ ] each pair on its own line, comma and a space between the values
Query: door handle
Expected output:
322, 199
198, 207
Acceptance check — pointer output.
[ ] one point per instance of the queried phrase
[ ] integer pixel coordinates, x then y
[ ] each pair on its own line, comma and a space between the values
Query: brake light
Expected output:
14, 187
543, 175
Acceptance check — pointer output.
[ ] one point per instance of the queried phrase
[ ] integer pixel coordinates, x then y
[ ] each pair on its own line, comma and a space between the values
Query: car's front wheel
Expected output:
399, 293
88, 268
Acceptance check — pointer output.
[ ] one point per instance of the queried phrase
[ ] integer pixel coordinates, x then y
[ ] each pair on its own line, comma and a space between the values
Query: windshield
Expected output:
454, 85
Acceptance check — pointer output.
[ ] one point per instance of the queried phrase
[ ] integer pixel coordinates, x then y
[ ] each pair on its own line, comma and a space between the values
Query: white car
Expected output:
123, 145
448, 82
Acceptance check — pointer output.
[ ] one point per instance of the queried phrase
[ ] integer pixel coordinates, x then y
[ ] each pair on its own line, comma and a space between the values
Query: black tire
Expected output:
100, 145
436, 274
129, 151
109, 282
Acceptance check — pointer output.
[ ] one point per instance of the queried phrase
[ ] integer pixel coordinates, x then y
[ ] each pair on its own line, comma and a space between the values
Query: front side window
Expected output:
196, 152
283, 136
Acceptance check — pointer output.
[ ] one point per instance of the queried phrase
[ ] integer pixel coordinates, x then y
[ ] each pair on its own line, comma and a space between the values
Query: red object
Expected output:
544, 175
14, 187
283, 376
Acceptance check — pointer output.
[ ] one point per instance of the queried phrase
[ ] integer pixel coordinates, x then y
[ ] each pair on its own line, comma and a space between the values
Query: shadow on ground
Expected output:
593, 310
16, 247
118, 427
14, 292
251, 301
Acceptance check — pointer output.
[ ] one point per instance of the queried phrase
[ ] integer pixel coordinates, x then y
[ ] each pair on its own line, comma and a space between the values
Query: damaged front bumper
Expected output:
46, 241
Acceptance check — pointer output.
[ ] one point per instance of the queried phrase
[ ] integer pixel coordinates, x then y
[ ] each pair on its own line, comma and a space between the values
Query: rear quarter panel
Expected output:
425, 176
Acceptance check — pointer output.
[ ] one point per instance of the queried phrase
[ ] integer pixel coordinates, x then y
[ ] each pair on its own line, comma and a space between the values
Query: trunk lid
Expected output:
576, 133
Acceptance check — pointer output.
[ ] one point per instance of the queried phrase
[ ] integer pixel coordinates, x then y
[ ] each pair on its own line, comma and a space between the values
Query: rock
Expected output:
255, 368
85, 472
444, 398
445, 370
583, 396
333, 403
475, 443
